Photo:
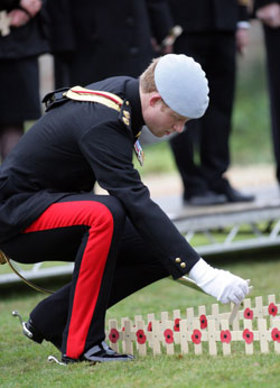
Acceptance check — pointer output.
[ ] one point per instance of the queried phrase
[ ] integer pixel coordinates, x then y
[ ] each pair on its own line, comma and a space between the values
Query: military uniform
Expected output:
48, 211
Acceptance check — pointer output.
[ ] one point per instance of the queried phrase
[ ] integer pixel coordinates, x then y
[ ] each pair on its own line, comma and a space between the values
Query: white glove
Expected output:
223, 285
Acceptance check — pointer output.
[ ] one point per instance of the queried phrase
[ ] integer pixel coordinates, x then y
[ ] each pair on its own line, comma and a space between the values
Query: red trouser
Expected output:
111, 262
97, 227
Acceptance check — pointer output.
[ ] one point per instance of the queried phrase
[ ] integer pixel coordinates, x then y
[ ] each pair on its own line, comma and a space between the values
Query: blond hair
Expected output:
147, 78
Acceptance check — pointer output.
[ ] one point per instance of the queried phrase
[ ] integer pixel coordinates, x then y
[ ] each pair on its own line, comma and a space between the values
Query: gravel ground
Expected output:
249, 178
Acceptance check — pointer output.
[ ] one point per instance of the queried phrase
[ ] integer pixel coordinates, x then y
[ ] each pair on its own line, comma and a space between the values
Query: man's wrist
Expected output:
201, 272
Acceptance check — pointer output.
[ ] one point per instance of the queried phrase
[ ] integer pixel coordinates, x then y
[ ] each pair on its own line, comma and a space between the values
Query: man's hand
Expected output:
270, 15
223, 285
31, 6
18, 18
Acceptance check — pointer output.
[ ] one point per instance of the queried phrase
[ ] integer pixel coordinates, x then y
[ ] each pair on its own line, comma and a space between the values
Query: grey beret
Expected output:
182, 84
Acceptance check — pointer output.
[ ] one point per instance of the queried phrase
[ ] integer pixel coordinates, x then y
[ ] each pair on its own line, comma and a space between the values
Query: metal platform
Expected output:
230, 227
219, 229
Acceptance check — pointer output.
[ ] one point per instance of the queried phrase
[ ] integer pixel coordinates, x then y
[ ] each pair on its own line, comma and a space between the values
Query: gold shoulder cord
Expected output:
111, 100
5, 259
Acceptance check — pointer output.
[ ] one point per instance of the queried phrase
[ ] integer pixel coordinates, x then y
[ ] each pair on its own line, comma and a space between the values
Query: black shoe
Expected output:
99, 353
233, 195
30, 331
236, 196
205, 198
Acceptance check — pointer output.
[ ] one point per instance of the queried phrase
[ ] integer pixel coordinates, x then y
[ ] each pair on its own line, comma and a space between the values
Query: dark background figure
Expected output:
19, 69
92, 40
211, 36
269, 13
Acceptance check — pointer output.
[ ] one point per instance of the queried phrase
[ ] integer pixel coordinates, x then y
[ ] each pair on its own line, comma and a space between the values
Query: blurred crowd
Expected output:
91, 40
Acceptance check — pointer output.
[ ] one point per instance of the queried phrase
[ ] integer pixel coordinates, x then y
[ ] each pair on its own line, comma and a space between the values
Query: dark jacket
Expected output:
205, 15
108, 37
262, 3
9, 4
68, 150
26, 41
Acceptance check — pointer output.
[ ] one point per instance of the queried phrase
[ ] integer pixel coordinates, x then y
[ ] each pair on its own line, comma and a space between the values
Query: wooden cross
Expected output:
4, 24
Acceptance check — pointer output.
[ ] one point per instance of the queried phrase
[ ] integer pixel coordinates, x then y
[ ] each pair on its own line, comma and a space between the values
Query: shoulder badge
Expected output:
139, 152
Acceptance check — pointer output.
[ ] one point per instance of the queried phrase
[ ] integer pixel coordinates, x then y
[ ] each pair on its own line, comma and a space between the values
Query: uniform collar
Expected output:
133, 96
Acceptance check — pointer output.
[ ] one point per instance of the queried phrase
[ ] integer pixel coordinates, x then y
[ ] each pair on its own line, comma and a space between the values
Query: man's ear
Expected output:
154, 99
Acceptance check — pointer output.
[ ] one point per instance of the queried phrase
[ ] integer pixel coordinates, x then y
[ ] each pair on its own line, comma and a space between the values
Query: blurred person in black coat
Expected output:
212, 32
20, 47
92, 40
269, 13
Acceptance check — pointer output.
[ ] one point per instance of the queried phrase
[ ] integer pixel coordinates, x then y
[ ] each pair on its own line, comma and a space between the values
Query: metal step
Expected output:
222, 227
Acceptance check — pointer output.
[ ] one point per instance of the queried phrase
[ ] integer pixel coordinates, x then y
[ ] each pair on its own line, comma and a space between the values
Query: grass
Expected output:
24, 364
251, 138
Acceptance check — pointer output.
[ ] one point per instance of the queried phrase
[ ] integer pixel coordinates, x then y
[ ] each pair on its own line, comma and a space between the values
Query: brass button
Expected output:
126, 114
183, 265
126, 121
178, 260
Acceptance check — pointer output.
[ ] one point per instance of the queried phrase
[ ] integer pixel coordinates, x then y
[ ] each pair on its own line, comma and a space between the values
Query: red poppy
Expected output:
226, 336
275, 334
123, 328
141, 338
272, 309
114, 336
150, 326
203, 321
248, 336
177, 324
196, 336
248, 313
168, 334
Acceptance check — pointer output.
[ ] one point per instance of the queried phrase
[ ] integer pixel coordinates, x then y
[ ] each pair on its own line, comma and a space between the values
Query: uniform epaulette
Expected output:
111, 100
78, 93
